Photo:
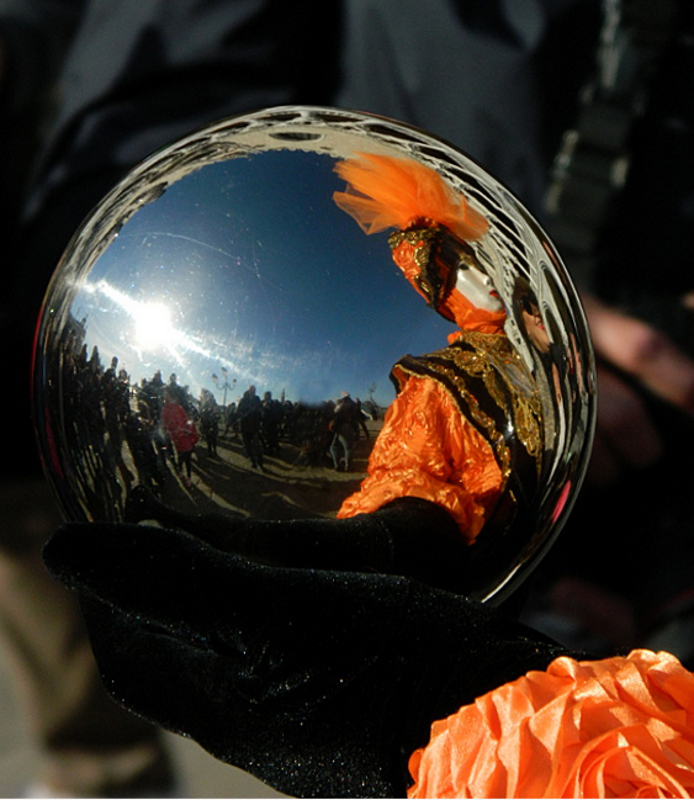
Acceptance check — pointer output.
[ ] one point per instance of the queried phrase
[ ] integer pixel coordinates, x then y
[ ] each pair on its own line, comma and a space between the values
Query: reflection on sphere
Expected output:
218, 312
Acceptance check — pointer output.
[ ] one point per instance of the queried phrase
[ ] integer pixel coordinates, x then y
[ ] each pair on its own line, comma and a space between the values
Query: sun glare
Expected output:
153, 327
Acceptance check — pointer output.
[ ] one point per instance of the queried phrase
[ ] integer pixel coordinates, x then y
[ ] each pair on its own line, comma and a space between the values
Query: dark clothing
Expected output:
249, 415
270, 668
142, 73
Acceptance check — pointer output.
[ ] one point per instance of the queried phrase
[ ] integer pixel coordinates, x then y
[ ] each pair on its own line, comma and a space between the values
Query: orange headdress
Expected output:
387, 192
434, 225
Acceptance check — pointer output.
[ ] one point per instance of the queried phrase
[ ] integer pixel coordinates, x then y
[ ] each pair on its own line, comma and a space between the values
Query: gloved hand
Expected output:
318, 682
390, 540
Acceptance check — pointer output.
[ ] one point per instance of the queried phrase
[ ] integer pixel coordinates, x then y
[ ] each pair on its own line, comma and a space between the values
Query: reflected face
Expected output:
477, 287
535, 326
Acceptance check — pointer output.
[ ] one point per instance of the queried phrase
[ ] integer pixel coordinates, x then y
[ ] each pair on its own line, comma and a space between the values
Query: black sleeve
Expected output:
318, 682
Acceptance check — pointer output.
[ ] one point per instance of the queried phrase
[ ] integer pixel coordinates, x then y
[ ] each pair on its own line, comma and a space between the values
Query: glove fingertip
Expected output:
61, 550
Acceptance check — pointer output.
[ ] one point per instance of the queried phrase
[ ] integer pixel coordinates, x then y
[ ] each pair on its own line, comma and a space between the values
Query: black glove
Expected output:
409, 536
318, 682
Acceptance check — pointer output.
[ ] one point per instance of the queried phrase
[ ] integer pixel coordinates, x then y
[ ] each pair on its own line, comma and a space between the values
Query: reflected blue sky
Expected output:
248, 264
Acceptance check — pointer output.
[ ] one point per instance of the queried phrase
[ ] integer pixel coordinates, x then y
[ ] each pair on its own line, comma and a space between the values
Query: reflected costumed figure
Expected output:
465, 431
462, 444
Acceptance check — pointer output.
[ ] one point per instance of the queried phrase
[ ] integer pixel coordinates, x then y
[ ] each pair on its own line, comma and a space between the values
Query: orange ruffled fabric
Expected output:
427, 449
387, 192
620, 727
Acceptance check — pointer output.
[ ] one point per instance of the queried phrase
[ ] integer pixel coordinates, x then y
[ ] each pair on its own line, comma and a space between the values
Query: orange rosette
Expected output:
620, 727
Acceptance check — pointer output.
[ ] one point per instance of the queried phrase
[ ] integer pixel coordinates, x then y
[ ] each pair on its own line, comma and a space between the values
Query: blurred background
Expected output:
199, 774
583, 108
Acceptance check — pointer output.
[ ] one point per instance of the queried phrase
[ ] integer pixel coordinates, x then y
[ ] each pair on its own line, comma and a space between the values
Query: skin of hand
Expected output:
625, 435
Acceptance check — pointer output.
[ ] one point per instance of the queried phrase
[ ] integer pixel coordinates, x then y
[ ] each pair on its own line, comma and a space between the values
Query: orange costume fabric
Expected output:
620, 727
427, 449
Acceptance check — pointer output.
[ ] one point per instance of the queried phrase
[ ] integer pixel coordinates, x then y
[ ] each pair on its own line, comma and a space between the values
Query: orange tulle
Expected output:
387, 192
427, 449
620, 727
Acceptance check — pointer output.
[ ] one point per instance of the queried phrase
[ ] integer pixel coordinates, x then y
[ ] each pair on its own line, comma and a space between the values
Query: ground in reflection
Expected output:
260, 456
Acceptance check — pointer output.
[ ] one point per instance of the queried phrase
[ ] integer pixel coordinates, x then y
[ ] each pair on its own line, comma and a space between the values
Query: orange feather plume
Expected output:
387, 192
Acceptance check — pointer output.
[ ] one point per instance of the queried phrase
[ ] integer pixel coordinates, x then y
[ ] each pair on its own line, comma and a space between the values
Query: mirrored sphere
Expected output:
221, 277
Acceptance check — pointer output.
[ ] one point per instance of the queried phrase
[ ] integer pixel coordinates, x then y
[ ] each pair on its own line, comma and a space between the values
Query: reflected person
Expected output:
272, 421
209, 421
446, 437
344, 430
249, 414
181, 431
461, 448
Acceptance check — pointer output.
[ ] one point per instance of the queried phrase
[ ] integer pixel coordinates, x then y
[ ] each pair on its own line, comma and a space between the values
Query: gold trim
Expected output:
494, 360
422, 240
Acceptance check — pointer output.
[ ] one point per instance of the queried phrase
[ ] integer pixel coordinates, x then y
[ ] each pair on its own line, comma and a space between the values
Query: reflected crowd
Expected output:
157, 434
